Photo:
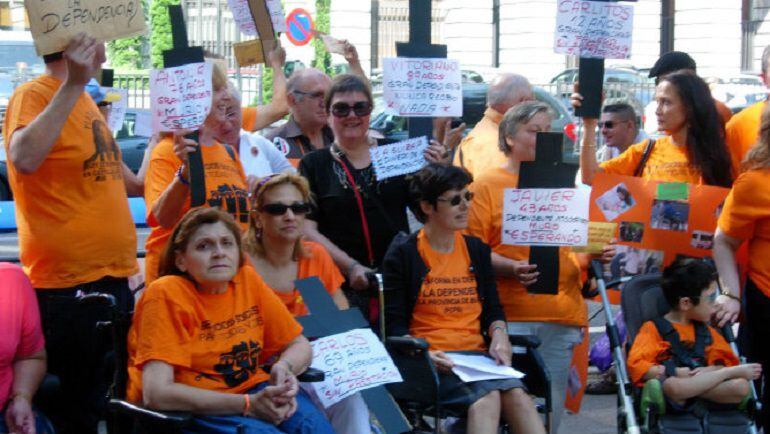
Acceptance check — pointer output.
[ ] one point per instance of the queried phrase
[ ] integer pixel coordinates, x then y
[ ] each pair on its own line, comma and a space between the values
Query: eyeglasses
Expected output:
456, 199
276, 209
310, 95
342, 110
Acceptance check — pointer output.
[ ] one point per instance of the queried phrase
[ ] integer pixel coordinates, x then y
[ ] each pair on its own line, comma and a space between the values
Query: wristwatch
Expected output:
727, 293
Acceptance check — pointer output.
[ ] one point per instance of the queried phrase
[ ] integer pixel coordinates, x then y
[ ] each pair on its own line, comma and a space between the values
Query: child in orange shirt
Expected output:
689, 357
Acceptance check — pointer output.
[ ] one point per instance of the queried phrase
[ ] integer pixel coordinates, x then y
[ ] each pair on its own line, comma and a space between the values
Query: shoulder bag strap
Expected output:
645, 157
359, 202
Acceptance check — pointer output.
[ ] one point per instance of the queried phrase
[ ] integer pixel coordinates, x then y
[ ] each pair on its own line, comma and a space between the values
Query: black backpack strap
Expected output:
680, 356
645, 157
702, 340
230, 151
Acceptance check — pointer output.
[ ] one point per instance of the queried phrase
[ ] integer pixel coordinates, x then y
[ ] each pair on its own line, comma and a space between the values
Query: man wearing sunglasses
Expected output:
619, 129
307, 129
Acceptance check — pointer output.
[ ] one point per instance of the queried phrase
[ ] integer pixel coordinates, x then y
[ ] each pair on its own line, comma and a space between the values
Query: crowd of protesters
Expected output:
214, 332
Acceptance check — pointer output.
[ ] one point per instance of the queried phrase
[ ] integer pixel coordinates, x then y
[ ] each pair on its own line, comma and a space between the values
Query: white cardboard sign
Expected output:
117, 109
600, 30
277, 15
242, 16
545, 217
399, 158
352, 361
180, 97
414, 87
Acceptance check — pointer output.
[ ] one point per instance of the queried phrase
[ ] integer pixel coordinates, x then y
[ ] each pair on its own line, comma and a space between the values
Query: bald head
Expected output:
507, 90
305, 94
299, 79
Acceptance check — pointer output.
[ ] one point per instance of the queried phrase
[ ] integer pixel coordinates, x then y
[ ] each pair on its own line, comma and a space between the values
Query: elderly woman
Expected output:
439, 286
167, 186
357, 215
22, 353
280, 255
203, 331
555, 318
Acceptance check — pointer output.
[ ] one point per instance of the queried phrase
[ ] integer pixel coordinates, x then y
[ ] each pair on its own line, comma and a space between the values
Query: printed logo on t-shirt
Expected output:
237, 365
232, 199
105, 163
454, 294
282, 145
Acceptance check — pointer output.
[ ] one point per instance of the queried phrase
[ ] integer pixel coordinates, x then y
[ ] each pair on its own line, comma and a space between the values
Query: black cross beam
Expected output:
325, 320
547, 171
182, 54
419, 45
591, 79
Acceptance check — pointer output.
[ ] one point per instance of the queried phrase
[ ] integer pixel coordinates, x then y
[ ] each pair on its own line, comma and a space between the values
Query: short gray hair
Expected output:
298, 78
507, 90
516, 117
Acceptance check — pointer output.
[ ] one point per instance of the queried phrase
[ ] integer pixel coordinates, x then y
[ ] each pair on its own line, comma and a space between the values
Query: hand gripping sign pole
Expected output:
182, 54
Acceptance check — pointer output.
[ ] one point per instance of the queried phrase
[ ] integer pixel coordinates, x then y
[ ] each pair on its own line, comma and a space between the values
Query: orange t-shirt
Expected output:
213, 341
447, 313
649, 349
248, 118
225, 188
742, 132
72, 213
485, 221
667, 163
746, 216
317, 262
480, 151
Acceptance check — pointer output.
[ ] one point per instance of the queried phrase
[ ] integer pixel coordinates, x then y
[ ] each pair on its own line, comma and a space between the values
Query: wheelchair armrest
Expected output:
528, 341
311, 375
176, 419
406, 343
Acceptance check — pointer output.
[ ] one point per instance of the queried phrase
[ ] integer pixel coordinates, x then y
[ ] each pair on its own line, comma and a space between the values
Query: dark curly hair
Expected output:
431, 182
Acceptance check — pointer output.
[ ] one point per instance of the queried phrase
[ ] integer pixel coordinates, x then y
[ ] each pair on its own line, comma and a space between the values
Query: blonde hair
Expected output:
758, 156
218, 77
252, 241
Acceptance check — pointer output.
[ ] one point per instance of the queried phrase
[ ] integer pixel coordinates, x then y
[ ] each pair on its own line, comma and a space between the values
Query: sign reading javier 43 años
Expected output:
54, 22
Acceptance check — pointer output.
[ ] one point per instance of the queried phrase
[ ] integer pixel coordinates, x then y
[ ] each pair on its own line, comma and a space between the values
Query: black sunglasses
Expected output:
360, 109
277, 209
455, 200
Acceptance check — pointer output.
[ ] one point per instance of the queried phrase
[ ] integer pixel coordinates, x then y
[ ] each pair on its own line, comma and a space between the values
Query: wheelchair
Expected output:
644, 410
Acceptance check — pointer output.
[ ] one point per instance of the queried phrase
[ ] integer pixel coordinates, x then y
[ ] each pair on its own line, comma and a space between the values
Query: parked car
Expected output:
620, 85
738, 92
19, 62
132, 148
394, 128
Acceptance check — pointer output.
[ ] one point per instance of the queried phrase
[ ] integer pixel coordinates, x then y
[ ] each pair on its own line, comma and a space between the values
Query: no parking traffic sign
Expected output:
299, 26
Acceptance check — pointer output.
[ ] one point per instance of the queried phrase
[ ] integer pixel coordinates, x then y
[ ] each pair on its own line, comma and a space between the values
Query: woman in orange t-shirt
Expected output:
746, 217
692, 151
439, 286
202, 332
167, 184
279, 254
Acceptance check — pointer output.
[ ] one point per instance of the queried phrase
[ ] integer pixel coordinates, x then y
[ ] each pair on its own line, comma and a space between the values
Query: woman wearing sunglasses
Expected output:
279, 254
555, 318
439, 286
167, 186
356, 216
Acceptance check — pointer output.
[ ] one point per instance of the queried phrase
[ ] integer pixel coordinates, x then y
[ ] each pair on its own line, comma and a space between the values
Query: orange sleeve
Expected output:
741, 210
160, 173
25, 106
719, 352
479, 217
280, 326
627, 162
323, 266
162, 328
644, 352
249, 118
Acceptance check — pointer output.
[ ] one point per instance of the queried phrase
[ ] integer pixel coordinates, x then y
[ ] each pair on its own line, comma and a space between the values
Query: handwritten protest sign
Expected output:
422, 87
352, 361
594, 29
117, 109
242, 16
545, 217
143, 124
399, 158
248, 52
54, 23
276, 15
599, 235
180, 97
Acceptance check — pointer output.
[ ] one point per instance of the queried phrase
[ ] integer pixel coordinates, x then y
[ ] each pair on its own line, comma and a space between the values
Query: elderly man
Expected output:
306, 129
480, 151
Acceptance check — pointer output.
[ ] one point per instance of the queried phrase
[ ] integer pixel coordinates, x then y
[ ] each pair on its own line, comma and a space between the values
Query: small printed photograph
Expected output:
631, 232
615, 201
630, 261
670, 215
702, 240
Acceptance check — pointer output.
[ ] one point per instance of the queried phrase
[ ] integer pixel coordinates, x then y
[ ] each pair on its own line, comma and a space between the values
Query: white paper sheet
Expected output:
479, 367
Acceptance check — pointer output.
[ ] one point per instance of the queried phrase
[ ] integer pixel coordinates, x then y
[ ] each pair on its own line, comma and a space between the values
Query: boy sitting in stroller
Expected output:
690, 358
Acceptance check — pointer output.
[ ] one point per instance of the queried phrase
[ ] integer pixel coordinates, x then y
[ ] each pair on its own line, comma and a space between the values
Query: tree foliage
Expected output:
129, 53
322, 59
160, 30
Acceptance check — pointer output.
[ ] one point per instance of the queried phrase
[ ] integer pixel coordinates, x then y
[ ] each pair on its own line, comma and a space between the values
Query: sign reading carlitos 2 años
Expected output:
53, 23
595, 29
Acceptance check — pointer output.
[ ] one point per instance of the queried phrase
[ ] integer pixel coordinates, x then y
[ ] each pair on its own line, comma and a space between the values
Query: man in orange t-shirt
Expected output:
75, 229
479, 151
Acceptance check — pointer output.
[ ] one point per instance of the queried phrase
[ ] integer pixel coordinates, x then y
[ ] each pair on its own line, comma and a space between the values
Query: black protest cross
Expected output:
547, 171
325, 320
419, 46
591, 81
107, 78
182, 54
